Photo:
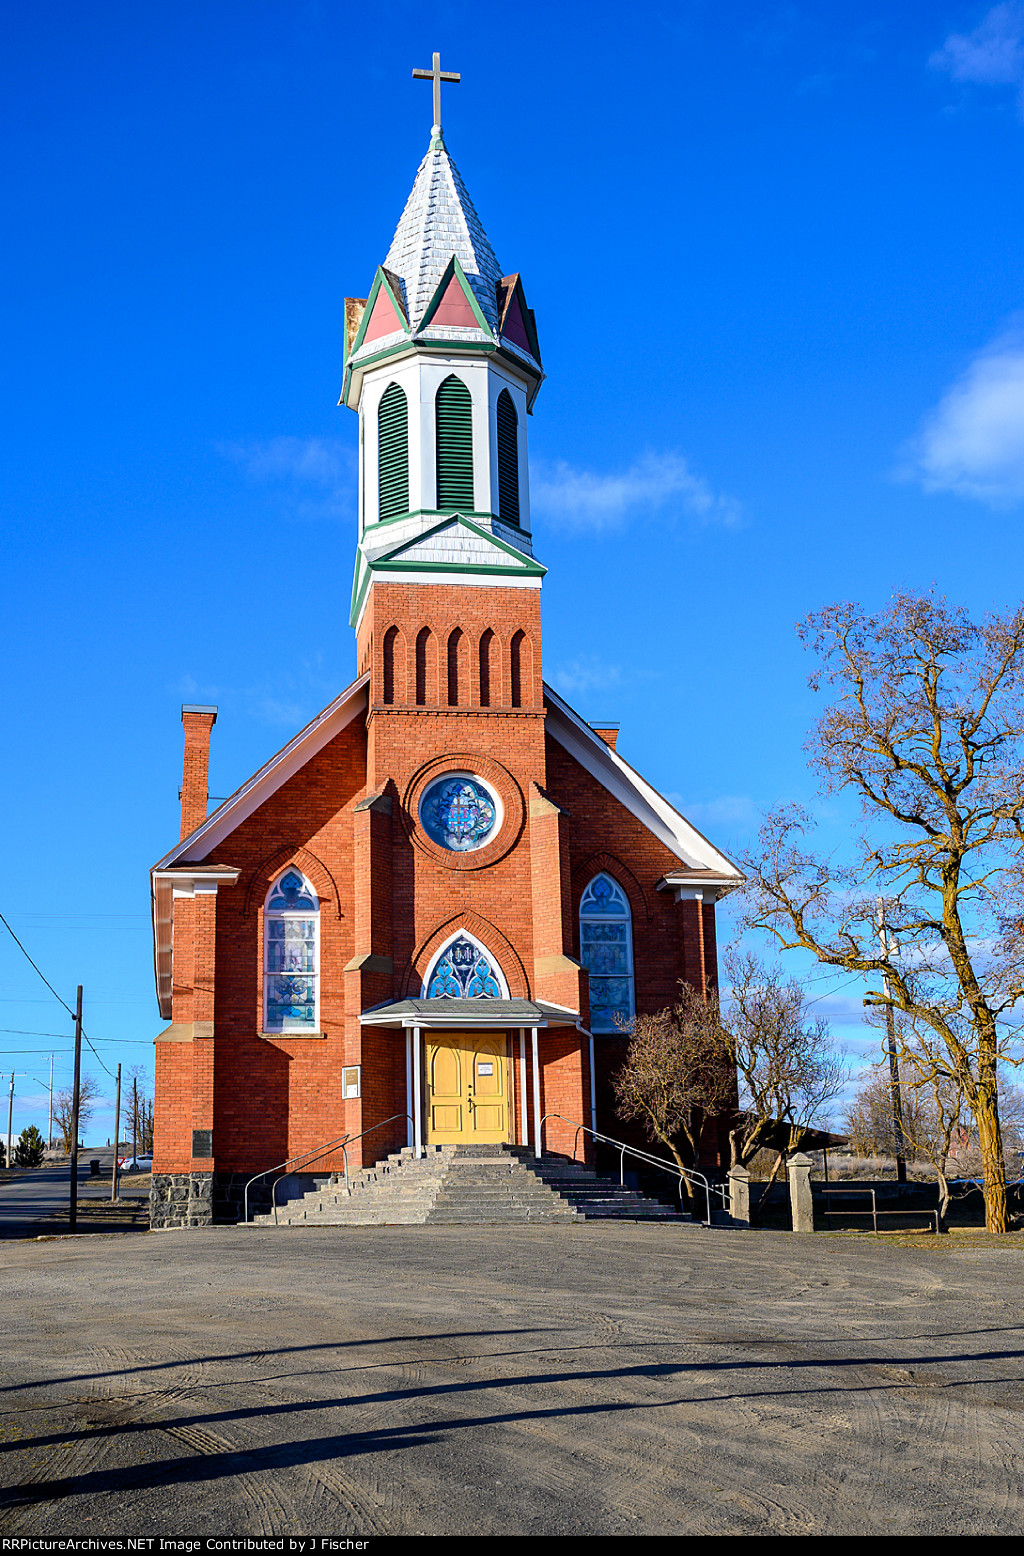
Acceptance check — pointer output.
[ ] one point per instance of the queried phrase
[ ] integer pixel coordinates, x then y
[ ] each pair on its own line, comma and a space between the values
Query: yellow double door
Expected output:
467, 1089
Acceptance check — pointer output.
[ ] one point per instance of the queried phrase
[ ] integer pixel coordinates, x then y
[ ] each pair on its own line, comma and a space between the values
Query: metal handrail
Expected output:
307, 1158
654, 1161
874, 1212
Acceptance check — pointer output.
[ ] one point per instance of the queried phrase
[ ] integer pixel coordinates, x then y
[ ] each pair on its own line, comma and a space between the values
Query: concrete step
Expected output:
468, 1185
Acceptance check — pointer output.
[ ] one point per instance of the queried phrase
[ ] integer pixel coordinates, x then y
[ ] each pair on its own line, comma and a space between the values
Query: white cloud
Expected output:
584, 499
737, 811
289, 700
972, 443
991, 55
300, 468
586, 674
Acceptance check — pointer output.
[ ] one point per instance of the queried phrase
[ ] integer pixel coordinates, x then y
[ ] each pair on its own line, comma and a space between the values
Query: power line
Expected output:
56, 996
32, 964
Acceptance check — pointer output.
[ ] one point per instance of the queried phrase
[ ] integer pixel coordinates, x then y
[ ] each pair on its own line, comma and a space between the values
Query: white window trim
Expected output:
272, 914
606, 918
465, 934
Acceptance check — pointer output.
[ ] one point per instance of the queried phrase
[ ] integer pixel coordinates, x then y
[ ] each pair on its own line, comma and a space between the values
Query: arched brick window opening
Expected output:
426, 667
390, 650
455, 650
508, 459
486, 651
520, 669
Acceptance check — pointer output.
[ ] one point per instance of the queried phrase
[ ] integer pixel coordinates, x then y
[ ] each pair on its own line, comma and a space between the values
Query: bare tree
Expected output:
139, 1116
677, 1074
88, 1095
785, 1060
927, 731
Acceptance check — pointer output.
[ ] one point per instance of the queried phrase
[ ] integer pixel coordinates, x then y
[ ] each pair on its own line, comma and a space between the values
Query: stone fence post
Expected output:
739, 1194
800, 1201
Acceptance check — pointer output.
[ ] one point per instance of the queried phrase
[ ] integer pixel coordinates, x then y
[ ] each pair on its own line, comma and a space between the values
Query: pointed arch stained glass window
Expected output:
291, 955
463, 971
606, 951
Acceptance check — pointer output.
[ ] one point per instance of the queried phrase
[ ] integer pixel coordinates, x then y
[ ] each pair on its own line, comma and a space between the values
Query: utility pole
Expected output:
117, 1127
895, 1090
76, 1089
10, 1114
135, 1121
49, 1135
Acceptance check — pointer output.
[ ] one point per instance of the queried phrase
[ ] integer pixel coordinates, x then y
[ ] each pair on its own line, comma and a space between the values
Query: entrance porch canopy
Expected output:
447, 1014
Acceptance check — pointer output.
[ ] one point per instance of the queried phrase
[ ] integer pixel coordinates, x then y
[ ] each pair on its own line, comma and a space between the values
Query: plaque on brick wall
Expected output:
202, 1142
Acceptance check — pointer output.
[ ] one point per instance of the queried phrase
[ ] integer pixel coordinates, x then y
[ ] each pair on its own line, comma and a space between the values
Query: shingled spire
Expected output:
440, 221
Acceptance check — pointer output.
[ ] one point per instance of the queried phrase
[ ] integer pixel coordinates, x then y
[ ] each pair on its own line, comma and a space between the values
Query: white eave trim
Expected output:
639, 797
686, 887
166, 885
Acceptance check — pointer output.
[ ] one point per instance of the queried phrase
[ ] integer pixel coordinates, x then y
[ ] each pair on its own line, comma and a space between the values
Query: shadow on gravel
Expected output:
283, 1350
215, 1465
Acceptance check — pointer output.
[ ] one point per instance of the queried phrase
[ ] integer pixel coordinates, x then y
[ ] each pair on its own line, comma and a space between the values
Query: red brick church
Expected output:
418, 922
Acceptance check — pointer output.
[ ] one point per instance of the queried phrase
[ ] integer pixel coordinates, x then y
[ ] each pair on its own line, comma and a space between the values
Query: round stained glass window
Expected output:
460, 813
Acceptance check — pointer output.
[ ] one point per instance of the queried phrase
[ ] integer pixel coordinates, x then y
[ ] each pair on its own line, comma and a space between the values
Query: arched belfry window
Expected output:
393, 453
606, 951
453, 411
464, 969
291, 955
508, 459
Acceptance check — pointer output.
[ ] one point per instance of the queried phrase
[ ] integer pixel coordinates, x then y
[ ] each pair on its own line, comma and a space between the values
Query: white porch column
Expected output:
409, 1104
536, 1093
417, 1090
524, 1127
593, 1087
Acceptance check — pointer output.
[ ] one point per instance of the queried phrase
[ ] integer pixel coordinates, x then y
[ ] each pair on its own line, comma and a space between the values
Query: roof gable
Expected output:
639, 797
347, 706
454, 303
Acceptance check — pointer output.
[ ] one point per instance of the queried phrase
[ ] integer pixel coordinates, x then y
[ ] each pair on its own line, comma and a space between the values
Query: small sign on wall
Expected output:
351, 1081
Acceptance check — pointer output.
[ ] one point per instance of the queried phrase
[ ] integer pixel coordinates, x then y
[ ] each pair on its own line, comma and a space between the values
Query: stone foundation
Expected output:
180, 1199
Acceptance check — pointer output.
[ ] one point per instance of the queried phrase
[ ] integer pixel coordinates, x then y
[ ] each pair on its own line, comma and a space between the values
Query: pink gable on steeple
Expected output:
383, 320
454, 308
515, 326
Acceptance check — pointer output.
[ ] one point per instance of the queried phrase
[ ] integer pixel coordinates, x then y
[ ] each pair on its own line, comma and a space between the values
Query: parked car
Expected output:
135, 1164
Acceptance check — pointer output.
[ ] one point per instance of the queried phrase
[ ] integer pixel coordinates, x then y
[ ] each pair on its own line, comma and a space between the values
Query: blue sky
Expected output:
776, 254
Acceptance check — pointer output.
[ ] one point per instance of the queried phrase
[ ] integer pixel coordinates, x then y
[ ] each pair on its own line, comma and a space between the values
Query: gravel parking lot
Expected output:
604, 1379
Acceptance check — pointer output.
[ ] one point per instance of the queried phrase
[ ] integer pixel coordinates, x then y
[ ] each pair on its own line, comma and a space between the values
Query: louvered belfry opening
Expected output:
453, 409
508, 459
393, 453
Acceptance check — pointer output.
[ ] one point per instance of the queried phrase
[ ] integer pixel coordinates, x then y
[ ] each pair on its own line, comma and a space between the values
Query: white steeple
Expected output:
442, 366
440, 220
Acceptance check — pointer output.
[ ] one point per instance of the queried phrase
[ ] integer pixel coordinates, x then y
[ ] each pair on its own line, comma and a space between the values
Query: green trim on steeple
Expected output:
394, 562
380, 281
453, 268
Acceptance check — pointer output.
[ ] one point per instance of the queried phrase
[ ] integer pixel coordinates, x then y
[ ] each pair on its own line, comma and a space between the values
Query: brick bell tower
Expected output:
442, 366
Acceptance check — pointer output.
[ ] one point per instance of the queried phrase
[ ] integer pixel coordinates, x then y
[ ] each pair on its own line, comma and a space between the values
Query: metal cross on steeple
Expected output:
437, 75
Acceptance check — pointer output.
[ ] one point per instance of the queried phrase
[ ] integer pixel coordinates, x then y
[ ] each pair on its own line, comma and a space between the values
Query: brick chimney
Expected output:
608, 732
198, 722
